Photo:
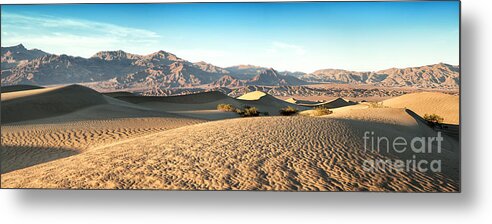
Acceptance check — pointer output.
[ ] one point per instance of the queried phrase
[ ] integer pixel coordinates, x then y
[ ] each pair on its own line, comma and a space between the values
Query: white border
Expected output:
473, 205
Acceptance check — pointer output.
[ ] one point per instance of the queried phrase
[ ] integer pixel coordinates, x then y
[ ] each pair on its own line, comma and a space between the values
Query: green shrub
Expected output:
320, 111
288, 111
433, 119
226, 107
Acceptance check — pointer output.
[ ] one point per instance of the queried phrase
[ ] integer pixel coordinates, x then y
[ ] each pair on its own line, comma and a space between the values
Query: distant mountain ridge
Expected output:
161, 69
12, 56
270, 77
250, 71
430, 76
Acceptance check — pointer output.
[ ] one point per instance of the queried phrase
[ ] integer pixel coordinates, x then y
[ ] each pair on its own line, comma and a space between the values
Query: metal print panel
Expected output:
265, 96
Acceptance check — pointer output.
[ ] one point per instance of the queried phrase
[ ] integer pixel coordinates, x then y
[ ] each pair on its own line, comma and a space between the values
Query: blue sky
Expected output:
362, 36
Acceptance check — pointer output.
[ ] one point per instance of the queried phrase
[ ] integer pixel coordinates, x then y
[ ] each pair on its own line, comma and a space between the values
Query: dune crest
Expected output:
335, 103
255, 95
14, 88
46, 102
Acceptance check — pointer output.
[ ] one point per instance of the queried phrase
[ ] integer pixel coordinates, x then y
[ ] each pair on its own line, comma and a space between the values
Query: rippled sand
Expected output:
27, 145
168, 143
266, 153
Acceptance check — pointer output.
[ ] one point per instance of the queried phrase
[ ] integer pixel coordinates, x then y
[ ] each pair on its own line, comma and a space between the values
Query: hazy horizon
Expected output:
358, 36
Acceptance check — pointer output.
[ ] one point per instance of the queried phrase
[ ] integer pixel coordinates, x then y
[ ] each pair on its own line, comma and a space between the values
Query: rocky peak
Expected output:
13, 49
164, 55
114, 55
210, 68
20, 47
16, 55
266, 75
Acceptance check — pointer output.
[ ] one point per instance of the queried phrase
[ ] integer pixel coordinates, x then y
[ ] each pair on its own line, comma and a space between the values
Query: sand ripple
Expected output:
266, 153
30, 144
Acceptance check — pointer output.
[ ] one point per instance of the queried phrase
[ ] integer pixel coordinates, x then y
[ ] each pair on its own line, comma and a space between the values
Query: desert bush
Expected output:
226, 107
320, 111
288, 111
433, 119
377, 105
250, 112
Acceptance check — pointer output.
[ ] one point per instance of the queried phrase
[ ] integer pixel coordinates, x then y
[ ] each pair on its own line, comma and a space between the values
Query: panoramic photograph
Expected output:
264, 96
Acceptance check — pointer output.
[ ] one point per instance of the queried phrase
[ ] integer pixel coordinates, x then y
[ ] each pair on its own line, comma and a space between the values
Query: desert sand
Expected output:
444, 105
51, 123
183, 142
270, 153
47, 102
331, 104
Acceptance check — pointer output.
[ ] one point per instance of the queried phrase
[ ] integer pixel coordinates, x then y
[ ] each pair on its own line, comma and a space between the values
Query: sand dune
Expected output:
444, 105
266, 103
196, 98
335, 103
64, 121
265, 153
397, 122
301, 102
119, 94
255, 95
397, 116
68, 103
74, 137
47, 102
30, 144
200, 105
14, 88
293, 100
204, 105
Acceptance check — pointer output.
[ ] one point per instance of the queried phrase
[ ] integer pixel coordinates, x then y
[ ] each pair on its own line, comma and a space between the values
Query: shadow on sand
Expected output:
18, 157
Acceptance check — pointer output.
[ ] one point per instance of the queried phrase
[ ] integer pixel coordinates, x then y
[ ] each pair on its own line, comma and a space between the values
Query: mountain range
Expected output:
160, 70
